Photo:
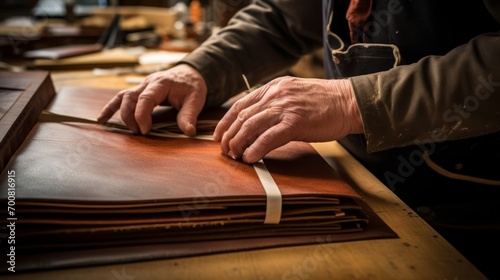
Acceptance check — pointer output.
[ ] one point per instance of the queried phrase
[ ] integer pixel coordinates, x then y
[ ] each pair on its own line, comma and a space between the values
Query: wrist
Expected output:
198, 81
354, 122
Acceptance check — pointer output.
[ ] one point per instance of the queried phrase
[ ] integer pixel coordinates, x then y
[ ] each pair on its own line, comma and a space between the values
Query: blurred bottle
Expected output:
69, 6
202, 17
182, 20
195, 13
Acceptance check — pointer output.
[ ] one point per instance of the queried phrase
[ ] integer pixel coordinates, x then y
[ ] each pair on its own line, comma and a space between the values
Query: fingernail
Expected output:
190, 130
101, 120
230, 154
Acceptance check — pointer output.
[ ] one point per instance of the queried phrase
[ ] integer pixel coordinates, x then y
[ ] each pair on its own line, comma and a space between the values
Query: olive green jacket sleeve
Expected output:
439, 98
260, 41
450, 97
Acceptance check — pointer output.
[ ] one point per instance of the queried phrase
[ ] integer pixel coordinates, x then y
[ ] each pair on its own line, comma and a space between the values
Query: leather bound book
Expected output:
88, 194
64, 51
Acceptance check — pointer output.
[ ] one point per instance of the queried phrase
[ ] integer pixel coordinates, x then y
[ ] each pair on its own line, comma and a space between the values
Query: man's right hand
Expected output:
181, 86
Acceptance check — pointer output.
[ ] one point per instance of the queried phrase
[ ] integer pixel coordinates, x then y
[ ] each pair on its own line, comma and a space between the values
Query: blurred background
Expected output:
30, 24
130, 32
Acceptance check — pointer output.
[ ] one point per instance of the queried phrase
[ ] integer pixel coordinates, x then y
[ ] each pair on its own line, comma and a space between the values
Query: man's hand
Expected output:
181, 87
288, 109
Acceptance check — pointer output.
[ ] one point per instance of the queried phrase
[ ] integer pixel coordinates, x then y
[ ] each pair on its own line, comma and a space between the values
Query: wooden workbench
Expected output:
419, 252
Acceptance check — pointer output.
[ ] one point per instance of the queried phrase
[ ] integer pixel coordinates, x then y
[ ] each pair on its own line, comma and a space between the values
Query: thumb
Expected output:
187, 116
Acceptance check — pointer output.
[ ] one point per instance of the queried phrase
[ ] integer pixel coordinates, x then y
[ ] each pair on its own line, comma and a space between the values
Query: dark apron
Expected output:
458, 209
344, 60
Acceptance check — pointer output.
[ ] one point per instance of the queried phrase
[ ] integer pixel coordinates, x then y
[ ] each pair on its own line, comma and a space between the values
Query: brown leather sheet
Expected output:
87, 194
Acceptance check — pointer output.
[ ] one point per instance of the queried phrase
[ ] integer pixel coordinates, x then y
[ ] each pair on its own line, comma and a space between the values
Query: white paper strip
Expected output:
274, 201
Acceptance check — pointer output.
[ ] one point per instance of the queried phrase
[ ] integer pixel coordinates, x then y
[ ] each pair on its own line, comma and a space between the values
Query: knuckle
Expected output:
237, 107
146, 98
236, 146
243, 115
127, 111
265, 140
248, 124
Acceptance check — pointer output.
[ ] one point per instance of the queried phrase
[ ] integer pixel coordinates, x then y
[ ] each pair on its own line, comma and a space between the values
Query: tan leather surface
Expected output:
93, 164
92, 189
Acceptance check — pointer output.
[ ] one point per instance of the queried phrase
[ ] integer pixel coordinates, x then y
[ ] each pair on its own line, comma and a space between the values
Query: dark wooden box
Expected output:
23, 95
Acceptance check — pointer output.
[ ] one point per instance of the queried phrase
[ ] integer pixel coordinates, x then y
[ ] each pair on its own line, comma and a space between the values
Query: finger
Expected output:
146, 102
269, 140
229, 134
251, 129
188, 114
225, 123
114, 104
127, 111
232, 114
110, 108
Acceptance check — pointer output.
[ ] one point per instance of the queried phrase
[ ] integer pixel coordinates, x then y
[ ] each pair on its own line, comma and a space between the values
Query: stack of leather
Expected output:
90, 194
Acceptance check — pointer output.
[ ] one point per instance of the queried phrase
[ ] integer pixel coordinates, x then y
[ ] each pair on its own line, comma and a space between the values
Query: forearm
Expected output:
439, 98
260, 41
